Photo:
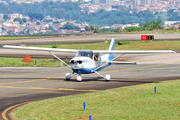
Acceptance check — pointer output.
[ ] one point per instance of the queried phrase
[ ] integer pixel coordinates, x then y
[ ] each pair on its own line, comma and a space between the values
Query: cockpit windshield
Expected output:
84, 53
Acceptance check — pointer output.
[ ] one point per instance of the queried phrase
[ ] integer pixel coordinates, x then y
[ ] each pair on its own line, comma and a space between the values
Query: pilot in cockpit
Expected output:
82, 54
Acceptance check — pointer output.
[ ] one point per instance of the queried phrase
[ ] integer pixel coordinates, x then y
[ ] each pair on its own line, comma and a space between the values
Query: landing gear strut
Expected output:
107, 77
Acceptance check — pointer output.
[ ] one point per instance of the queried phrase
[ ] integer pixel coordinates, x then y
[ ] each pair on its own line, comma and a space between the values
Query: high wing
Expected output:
121, 62
94, 51
132, 51
41, 49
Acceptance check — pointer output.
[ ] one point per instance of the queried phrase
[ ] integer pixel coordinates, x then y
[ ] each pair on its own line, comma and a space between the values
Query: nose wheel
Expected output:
68, 76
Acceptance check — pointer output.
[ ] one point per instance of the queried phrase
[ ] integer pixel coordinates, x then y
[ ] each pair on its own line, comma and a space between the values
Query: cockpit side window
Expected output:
96, 56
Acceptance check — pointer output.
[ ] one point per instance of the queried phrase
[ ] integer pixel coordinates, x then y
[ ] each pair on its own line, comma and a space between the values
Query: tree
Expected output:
37, 16
87, 28
50, 28
96, 30
76, 28
173, 28
19, 20
68, 26
24, 20
132, 28
47, 20
21, 32
9, 32
152, 25
56, 22
179, 27
104, 30
2, 28
116, 30
38, 23
27, 31
91, 27
5, 17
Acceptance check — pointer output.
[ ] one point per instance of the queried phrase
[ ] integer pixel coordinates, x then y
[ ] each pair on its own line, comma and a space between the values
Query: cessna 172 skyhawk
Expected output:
92, 61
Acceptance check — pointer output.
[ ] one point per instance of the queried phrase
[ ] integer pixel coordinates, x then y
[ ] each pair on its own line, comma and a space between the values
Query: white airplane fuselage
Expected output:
85, 65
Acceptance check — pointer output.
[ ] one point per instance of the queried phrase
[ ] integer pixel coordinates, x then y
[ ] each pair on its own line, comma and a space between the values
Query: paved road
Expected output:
90, 38
21, 84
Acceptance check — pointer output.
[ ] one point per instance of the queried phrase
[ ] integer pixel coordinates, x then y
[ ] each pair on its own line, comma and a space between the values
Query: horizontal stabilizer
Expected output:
120, 62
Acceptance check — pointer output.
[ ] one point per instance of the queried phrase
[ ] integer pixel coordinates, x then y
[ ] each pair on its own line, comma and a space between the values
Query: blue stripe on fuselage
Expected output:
88, 71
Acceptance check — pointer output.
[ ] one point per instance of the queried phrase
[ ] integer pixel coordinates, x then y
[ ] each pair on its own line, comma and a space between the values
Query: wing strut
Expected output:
106, 63
59, 59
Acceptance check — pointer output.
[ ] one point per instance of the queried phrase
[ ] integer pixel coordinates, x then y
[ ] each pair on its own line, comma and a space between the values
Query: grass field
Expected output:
154, 45
136, 102
160, 31
17, 62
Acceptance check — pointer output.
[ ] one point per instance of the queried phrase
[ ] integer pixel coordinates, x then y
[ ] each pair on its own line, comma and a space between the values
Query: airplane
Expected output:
92, 61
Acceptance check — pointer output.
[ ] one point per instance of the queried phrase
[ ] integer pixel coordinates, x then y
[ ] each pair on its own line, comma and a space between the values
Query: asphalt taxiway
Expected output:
90, 38
21, 85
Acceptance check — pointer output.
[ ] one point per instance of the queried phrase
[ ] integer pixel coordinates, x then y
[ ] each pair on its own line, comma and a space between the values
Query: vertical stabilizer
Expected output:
111, 47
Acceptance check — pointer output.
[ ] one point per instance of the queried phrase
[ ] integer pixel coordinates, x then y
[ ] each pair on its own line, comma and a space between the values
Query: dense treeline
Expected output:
72, 11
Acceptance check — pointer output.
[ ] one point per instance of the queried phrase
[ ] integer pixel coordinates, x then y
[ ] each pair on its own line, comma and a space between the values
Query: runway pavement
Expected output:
90, 38
21, 85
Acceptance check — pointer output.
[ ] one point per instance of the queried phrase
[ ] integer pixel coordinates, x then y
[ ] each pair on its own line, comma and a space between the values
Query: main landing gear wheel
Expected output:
68, 76
79, 78
108, 77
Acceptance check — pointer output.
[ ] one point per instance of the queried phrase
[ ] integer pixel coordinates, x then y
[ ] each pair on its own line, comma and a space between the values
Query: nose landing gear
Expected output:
68, 76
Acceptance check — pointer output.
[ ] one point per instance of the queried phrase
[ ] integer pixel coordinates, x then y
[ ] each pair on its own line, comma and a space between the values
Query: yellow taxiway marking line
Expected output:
22, 81
22, 104
5, 111
54, 78
120, 59
40, 88
14, 107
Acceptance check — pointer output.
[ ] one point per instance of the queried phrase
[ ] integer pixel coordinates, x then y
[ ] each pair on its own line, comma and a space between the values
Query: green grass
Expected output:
133, 45
17, 62
136, 102
159, 31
